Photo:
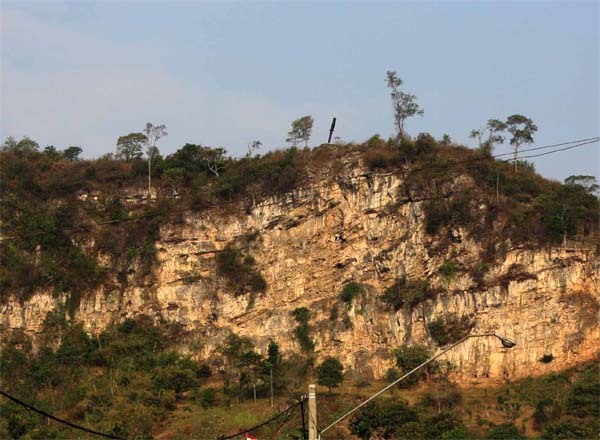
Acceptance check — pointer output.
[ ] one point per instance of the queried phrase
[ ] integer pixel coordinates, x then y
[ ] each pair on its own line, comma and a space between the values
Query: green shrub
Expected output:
383, 158
570, 429
449, 269
241, 274
407, 292
391, 374
506, 431
582, 399
449, 329
174, 378
409, 357
351, 291
459, 433
384, 418
301, 315
516, 272
333, 313
302, 331
437, 425
375, 142
330, 373
207, 397
203, 370
478, 273
425, 144
443, 396
455, 211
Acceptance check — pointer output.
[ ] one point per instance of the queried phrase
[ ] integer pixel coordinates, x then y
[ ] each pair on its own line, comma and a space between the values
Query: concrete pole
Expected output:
312, 412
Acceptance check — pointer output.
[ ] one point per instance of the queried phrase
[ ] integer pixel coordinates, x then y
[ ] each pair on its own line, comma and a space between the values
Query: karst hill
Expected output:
344, 250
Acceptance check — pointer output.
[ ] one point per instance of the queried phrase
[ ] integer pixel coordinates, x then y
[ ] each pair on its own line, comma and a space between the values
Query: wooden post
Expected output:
312, 412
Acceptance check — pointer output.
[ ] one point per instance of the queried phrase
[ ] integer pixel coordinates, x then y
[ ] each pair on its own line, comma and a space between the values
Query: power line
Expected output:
579, 143
542, 147
442, 167
286, 411
65, 422
560, 149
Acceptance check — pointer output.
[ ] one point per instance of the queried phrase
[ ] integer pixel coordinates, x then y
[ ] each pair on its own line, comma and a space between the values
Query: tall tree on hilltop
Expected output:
252, 147
72, 153
522, 129
153, 134
493, 128
25, 145
404, 104
130, 146
589, 183
301, 131
214, 158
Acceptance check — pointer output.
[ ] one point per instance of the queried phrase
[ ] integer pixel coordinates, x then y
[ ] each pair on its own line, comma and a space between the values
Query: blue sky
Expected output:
227, 73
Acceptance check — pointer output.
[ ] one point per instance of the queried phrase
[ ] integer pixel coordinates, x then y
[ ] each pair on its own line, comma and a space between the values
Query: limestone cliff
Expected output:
308, 244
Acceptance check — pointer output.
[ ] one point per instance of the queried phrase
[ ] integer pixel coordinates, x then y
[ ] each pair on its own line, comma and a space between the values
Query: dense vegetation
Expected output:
559, 406
128, 380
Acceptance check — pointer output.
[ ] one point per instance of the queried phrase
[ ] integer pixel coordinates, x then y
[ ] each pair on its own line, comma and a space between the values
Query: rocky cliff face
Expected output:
312, 242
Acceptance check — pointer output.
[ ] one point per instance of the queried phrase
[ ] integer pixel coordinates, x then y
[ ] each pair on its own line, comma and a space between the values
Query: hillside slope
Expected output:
429, 249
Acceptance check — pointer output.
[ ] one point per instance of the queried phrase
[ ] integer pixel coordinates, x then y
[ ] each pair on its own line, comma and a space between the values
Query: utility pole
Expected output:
303, 435
312, 412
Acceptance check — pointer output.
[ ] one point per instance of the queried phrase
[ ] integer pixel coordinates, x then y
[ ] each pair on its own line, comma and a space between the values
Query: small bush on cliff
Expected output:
241, 274
515, 272
407, 292
351, 291
449, 329
302, 331
449, 269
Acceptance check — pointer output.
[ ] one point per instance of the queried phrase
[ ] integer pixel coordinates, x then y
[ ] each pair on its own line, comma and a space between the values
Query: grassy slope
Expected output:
481, 408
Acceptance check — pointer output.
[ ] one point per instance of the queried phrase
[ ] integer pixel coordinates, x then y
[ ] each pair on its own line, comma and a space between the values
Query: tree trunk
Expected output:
149, 179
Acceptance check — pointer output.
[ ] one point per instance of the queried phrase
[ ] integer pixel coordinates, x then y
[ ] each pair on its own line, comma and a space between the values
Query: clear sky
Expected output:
226, 73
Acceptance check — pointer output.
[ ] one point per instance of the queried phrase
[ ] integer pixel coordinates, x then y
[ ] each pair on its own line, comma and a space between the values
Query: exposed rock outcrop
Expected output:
308, 244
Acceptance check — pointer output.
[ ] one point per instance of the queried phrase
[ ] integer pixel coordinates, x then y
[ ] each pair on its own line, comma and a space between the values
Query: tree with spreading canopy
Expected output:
72, 153
522, 129
330, 373
492, 131
301, 131
589, 183
404, 104
130, 146
25, 145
